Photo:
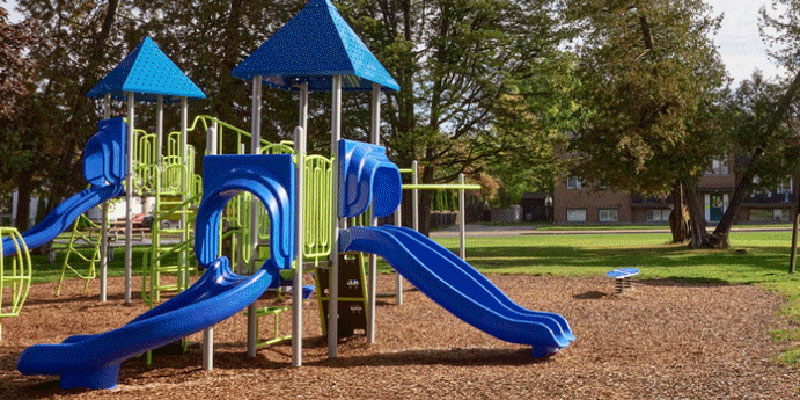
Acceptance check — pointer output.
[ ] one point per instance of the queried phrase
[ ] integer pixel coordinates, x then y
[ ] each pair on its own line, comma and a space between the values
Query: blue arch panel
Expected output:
366, 176
268, 177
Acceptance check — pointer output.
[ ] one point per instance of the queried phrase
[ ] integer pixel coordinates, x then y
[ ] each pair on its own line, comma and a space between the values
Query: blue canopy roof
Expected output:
313, 46
147, 72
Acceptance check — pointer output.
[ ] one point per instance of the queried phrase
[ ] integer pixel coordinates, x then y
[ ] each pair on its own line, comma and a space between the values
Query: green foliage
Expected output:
780, 26
477, 79
18, 70
651, 79
207, 40
749, 110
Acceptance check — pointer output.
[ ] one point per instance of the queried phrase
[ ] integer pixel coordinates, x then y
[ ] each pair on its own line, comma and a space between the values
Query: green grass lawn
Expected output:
638, 227
764, 262
601, 227
44, 271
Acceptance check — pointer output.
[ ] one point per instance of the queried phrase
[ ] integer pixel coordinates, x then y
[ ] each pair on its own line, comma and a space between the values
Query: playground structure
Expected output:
306, 200
15, 279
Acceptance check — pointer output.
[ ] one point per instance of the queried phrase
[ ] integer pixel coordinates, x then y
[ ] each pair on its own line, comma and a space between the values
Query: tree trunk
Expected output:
697, 219
24, 204
678, 218
795, 227
719, 239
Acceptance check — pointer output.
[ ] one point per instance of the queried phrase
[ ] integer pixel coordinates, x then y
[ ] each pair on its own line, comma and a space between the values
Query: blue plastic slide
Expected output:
103, 167
61, 218
459, 288
92, 361
367, 177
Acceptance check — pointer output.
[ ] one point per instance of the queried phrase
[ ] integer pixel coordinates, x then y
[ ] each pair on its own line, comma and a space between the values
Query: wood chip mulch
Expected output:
664, 340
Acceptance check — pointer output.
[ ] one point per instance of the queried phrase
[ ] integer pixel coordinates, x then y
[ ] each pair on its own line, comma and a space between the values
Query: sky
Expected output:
740, 45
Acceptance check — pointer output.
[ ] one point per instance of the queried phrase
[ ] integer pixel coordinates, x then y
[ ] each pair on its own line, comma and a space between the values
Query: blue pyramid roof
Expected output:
147, 72
313, 46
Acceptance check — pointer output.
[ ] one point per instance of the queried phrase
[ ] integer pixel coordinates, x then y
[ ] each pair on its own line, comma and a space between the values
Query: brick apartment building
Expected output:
576, 202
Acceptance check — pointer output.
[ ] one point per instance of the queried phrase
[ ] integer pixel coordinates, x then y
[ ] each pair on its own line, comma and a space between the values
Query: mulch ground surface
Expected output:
664, 340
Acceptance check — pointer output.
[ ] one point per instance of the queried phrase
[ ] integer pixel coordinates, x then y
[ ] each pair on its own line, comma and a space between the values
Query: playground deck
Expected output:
667, 339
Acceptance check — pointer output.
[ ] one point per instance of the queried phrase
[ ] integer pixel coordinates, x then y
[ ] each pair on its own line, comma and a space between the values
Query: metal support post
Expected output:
255, 123
297, 280
373, 261
104, 226
795, 226
208, 333
208, 348
461, 218
183, 274
398, 284
128, 202
415, 196
333, 302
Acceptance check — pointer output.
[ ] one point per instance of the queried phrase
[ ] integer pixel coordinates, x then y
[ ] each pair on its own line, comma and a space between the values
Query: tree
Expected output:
764, 136
17, 70
55, 120
650, 79
766, 142
463, 69
17, 77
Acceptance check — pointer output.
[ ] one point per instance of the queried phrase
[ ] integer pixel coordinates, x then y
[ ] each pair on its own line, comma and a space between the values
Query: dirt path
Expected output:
665, 340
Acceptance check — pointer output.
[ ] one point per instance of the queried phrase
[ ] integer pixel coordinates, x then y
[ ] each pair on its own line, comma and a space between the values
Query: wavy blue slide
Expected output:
63, 215
368, 177
92, 361
103, 167
459, 288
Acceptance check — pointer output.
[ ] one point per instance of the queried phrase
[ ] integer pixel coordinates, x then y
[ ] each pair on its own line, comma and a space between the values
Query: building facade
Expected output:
579, 202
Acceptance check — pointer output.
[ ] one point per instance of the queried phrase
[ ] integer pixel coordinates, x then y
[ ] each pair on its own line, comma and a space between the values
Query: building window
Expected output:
576, 215
778, 215
760, 215
609, 215
785, 188
719, 166
781, 215
657, 215
574, 182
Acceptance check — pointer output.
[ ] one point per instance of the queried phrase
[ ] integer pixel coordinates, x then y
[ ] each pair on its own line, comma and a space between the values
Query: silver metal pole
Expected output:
373, 261
333, 302
159, 130
208, 333
208, 348
255, 124
398, 284
128, 203
415, 196
211, 138
183, 277
104, 226
297, 280
156, 238
461, 218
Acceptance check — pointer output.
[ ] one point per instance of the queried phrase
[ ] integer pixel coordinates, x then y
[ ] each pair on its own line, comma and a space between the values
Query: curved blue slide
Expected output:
104, 165
92, 361
459, 288
367, 176
63, 215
